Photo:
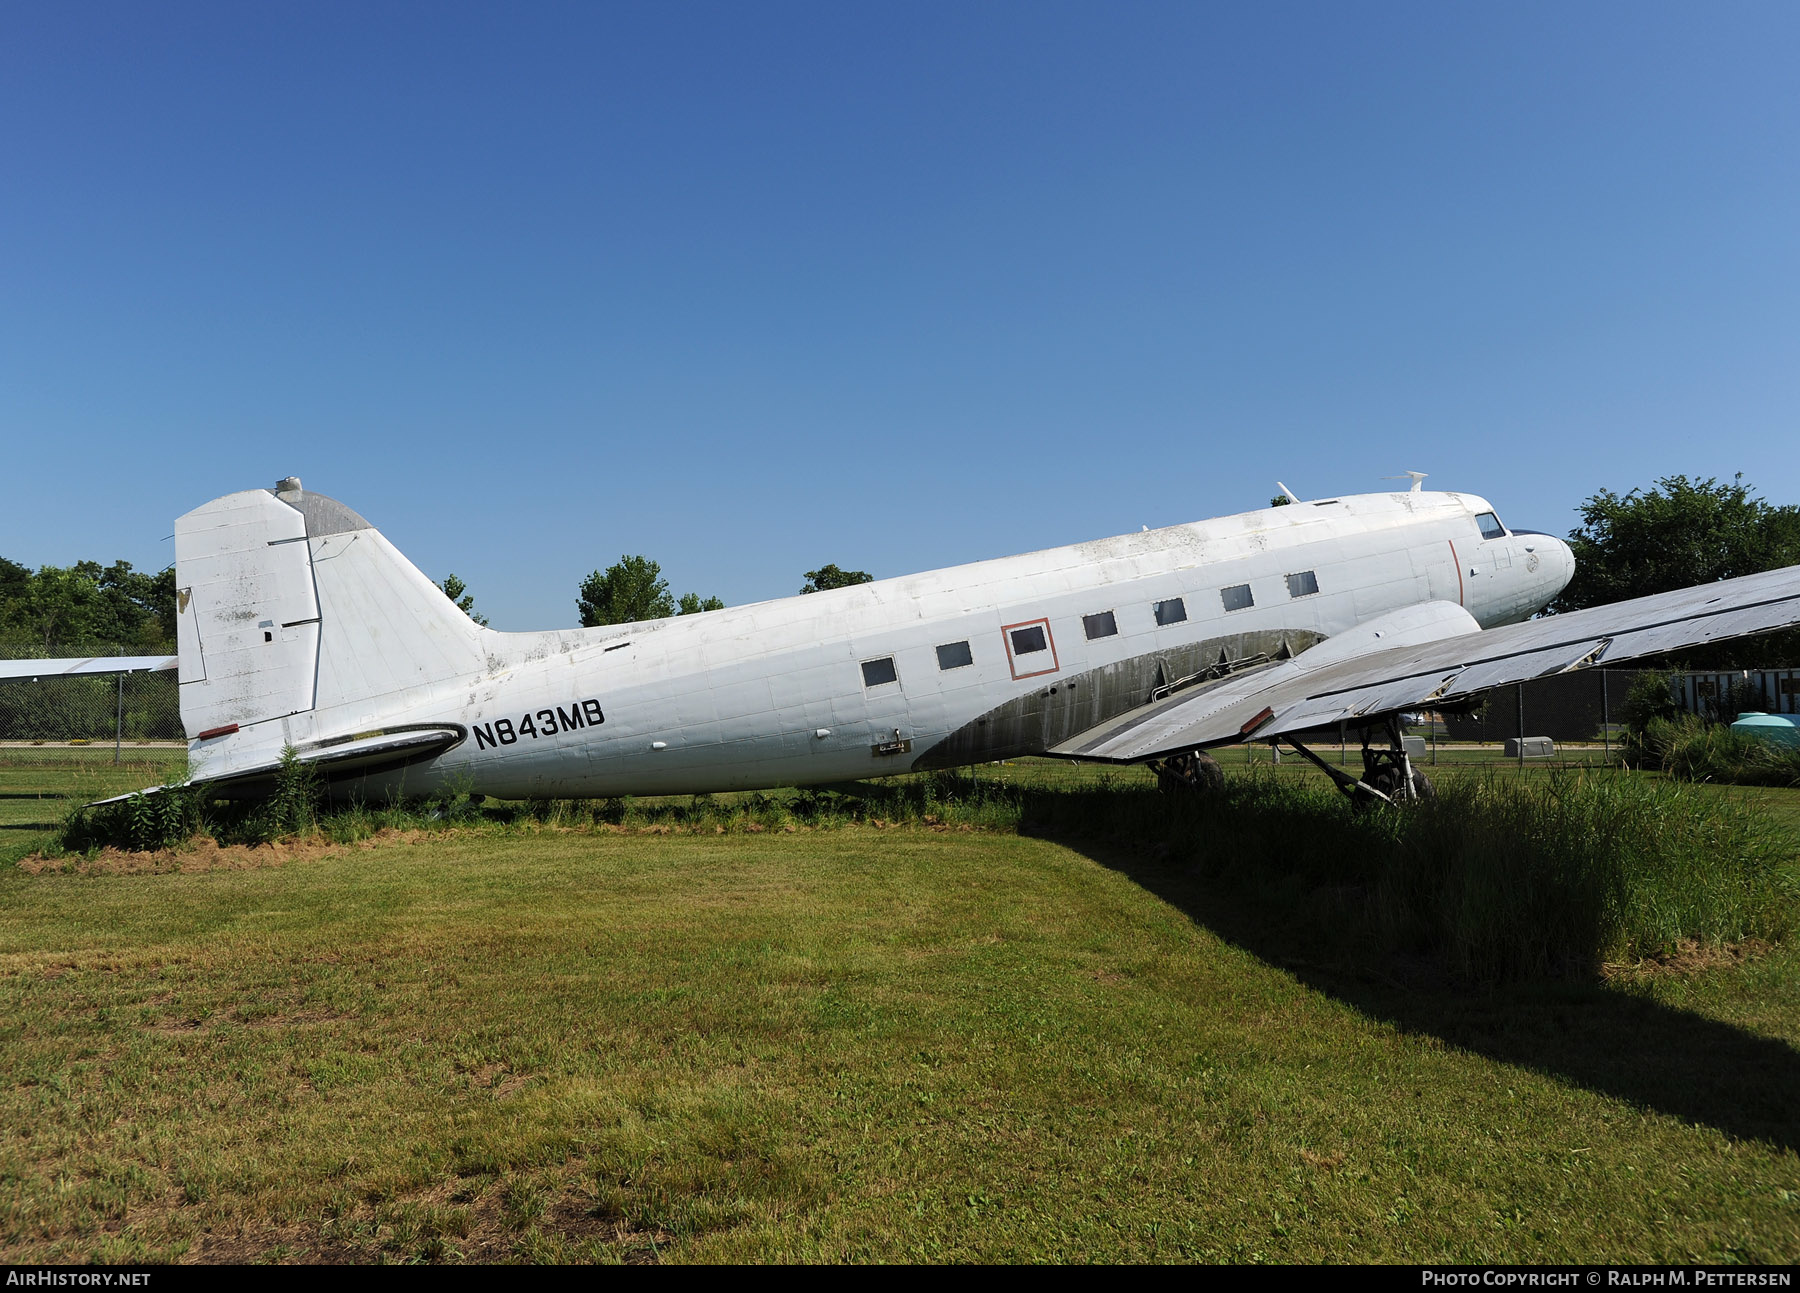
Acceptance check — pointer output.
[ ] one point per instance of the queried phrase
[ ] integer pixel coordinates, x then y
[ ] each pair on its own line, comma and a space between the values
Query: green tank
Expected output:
1778, 728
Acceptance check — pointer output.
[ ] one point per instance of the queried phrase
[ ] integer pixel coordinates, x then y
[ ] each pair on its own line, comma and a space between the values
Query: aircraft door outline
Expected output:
1023, 642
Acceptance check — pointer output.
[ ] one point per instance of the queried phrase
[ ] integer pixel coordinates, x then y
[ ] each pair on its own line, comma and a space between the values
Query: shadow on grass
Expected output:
1659, 1057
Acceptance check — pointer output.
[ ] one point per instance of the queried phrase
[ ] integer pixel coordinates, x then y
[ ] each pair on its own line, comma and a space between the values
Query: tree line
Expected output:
1681, 532
87, 606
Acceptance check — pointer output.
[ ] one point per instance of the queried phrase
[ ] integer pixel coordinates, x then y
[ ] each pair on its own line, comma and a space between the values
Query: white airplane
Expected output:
300, 626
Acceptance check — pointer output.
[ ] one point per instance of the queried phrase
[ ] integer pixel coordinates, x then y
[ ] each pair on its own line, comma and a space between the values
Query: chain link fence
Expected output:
116, 718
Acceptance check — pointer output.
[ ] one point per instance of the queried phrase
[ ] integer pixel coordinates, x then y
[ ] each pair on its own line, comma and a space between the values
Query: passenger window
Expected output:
1029, 639
955, 655
878, 673
1172, 611
1030, 648
1304, 584
1490, 526
1237, 597
1102, 625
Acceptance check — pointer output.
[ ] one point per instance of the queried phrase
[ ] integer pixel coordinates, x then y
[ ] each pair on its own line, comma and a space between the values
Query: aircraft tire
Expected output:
1192, 773
1388, 783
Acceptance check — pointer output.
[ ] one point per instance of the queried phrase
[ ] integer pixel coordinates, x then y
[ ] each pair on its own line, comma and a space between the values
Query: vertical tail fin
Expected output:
289, 604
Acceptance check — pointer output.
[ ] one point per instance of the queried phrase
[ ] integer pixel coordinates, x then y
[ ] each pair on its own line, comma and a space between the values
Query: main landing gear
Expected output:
1192, 770
1388, 775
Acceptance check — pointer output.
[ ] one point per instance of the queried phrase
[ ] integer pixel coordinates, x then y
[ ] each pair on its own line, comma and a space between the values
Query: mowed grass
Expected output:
38, 785
847, 1044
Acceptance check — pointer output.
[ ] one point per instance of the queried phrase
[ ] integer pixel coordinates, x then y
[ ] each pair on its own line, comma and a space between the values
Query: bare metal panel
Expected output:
325, 515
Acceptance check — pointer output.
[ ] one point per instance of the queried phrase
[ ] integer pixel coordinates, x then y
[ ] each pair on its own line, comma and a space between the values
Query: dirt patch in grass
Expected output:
447, 1222
1687, 957
498, 1079
277, 1245
295, 1019
204, 853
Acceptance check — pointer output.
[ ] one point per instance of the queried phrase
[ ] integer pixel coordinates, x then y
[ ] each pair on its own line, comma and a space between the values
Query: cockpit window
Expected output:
1490, 526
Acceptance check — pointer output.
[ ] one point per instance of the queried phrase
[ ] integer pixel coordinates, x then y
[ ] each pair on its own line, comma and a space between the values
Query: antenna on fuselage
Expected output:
1291, 495
1417, 478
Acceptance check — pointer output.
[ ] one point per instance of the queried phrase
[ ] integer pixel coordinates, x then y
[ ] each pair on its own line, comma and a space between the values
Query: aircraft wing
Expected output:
1445, 658
102, 664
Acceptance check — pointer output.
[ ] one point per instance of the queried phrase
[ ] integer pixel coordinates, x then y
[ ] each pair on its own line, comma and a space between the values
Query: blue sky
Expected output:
752, 287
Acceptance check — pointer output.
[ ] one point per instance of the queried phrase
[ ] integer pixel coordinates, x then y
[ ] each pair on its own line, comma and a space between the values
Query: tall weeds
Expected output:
177, 812
1688, 747
154, 819
1499, 878
1511, 878
292, 807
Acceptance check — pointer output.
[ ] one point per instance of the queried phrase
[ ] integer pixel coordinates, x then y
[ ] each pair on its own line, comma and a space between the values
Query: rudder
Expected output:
247, 613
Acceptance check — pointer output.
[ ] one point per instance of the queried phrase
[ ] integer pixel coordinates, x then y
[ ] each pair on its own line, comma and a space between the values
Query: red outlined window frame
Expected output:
1006, 632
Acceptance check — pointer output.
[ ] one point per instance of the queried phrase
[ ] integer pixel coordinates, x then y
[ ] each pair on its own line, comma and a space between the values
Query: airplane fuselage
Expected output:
985, 661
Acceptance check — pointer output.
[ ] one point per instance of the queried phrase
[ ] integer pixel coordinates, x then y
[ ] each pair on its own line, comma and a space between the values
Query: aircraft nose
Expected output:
1559, 564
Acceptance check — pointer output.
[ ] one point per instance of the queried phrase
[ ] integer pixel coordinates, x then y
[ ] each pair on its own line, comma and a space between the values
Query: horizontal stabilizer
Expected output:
357, 755
84, 666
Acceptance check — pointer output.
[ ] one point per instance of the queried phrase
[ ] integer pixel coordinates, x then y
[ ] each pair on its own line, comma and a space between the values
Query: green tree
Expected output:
18, 612
458, 592
817, 581
57, 609
134, 609
88, 606
627, 592
1678, 533
632, 590
1280, 500
14, 581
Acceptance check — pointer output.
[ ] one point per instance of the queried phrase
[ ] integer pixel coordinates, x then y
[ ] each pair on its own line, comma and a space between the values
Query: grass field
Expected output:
857, 1043
37, 786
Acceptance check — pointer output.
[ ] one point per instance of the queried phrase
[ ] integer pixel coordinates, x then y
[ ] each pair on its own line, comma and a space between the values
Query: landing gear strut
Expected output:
1388, 775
